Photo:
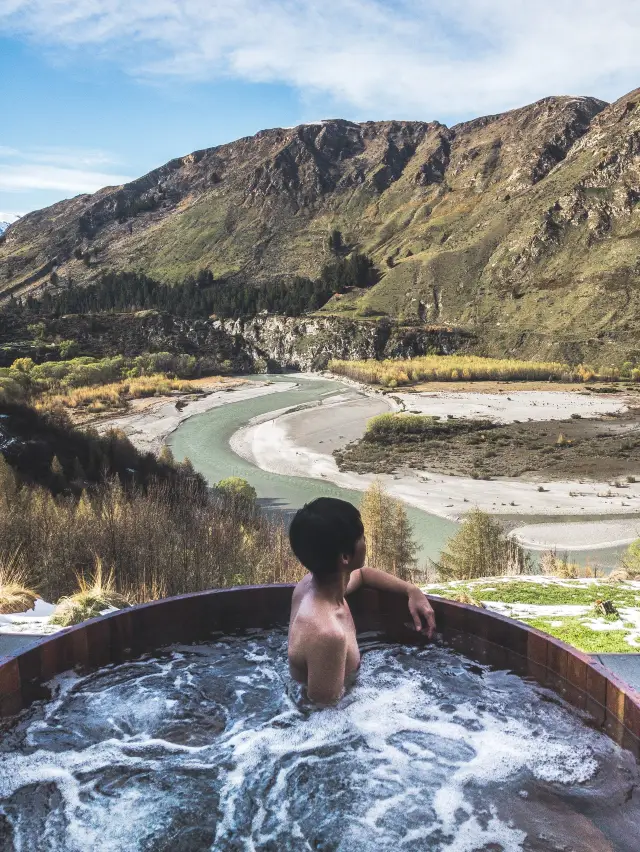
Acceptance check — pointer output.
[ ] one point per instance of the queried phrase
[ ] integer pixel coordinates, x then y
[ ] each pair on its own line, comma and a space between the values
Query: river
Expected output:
204, 439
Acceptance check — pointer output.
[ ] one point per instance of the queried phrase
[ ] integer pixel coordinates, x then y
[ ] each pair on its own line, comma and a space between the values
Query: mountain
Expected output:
3, 227
524, 226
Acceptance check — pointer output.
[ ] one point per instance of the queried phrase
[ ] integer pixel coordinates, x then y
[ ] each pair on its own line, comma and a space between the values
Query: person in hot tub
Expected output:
327, 537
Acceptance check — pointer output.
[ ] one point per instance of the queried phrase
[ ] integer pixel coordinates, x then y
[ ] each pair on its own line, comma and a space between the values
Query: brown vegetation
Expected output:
15, 594
115, 395
164, 539
454, 368
93, 597
603, 449
43, 448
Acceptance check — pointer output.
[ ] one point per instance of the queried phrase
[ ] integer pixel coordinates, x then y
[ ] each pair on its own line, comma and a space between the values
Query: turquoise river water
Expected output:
204, 439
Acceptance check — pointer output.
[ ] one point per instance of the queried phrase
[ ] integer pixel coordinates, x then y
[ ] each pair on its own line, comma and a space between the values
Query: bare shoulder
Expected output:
330, 638
302, 586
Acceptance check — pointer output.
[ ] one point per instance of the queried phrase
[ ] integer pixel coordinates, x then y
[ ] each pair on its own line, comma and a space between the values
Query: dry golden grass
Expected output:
115, 395
15, 592
464, 597
94, 596
464, 368
170, 537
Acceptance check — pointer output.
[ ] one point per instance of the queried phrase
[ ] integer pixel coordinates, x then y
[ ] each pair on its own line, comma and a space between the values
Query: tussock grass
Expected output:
453, 368
94, 596
464, 597
16, 594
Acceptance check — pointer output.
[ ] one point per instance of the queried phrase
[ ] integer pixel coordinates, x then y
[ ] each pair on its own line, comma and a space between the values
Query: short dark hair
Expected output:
322, 531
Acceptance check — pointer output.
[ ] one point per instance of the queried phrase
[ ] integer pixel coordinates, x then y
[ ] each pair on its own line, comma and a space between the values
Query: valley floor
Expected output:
301, 443
148, 422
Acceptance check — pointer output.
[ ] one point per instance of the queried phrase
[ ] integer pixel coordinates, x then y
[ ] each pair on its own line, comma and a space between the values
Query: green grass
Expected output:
551, 594
574, 632
559, 595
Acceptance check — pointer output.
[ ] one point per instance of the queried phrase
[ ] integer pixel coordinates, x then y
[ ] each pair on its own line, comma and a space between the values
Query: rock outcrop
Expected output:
292, 343
259, 344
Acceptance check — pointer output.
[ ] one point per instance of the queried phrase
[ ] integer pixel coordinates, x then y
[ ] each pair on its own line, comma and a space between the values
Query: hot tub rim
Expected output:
486, 636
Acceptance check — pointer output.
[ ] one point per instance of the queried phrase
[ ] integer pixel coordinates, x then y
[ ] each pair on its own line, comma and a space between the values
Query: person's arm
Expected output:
355, 582
419, 607
326, 661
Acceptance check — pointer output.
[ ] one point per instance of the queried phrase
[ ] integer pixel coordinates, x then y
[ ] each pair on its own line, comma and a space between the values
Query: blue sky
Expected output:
98, 91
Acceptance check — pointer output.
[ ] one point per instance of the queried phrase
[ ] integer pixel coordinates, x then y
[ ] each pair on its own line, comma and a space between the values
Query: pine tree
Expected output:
56, 467
480, 548
390, 543
78, 471
166, 456
402, 545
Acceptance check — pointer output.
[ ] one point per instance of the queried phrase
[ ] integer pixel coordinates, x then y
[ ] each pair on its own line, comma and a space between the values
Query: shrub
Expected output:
238, 490
631, 561
553, 565
388, 427
163, 537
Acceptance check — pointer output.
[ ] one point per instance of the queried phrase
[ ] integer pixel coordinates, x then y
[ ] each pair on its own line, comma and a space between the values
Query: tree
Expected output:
374, 511
390, 543
334, 241
56, 467
480, 548
23, 365
631, 560
238, 489
166, 456
402, 550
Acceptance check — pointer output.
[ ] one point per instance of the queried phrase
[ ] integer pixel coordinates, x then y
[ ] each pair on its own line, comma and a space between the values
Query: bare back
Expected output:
322, 638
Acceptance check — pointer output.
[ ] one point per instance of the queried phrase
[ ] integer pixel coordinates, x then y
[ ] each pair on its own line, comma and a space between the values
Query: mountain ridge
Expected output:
528, 218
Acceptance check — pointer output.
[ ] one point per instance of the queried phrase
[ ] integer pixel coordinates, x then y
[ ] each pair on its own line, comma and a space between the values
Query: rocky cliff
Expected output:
527, 221
309, 343
264, 343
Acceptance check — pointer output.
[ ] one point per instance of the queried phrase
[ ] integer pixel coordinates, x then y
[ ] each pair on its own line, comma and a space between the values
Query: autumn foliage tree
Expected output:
390, 542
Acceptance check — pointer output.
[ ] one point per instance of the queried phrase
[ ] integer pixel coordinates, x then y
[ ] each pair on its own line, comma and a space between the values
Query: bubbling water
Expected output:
204, 747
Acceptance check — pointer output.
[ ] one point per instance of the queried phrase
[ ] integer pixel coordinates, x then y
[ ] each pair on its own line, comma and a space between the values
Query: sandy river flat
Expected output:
510, 407
301, 443
148, 423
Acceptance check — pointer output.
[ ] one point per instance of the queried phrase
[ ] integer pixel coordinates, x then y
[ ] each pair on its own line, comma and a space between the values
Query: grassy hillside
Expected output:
524, 227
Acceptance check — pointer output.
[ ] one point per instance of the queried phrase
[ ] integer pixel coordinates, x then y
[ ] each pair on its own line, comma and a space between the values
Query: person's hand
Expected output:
424, 618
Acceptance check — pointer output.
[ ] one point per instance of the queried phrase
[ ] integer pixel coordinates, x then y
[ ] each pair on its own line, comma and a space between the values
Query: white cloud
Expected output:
62, 170
9, 218
406, 57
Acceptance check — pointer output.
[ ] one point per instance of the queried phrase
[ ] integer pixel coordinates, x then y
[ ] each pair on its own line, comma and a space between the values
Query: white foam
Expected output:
413, 746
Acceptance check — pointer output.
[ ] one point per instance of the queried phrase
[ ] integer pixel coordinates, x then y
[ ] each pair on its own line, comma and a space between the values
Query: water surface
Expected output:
204, 438
203, 748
